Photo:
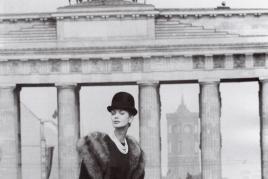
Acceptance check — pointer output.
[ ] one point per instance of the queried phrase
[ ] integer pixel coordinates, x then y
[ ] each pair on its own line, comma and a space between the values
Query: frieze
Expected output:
13, 66
159, 63
14, 19
65, 66
198, 61
198, 13
34, 65
182, 63
3, 67
116, 65
132, 64
43, 67
106, 17
55, 65
137, 64
27, 17
218, 61
147, 64
259, 60
158, 13
229, 61
97, 66
86, 66
75, 65
239, 60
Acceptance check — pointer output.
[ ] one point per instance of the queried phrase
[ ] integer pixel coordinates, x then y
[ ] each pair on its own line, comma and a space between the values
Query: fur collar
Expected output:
95, 154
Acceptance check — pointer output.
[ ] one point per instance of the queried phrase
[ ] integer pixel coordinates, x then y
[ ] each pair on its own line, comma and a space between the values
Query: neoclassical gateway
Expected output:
114, 42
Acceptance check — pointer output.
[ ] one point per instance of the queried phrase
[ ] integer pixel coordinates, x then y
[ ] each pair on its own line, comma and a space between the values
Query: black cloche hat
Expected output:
125, 101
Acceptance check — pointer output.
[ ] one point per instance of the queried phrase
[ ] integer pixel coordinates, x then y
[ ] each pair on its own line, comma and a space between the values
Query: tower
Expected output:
183, 142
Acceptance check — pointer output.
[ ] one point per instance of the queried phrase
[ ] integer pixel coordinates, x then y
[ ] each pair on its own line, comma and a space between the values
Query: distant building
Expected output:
183, 143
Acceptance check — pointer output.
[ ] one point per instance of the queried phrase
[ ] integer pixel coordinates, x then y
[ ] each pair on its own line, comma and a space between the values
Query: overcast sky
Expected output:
240, 121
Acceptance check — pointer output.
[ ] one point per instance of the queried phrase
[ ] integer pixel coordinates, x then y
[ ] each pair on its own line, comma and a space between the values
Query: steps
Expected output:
176, 30
37, 32
164, 29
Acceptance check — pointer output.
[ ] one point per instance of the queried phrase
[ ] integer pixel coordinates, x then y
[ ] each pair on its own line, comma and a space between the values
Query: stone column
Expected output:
68, 130
10, 143
263, 94
210, 130
149, 113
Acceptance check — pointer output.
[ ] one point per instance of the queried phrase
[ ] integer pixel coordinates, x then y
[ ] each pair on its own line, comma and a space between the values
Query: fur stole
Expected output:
94, 152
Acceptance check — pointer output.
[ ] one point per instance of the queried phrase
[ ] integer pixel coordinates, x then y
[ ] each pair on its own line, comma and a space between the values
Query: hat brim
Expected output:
132, 111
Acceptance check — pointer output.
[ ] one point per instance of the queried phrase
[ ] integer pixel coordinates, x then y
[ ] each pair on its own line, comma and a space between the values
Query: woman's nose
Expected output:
116, 115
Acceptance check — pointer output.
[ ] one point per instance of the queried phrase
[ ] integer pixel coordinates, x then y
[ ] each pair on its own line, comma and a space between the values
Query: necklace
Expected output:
122, 148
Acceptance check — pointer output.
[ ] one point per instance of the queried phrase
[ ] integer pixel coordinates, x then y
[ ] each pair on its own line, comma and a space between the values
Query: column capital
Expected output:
209, 81
228, 54
67, 85
188, 55
208, 55
148, 83
263, 79
8, 85
248, 54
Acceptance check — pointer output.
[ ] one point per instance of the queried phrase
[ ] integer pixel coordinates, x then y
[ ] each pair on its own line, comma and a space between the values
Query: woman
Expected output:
116, 155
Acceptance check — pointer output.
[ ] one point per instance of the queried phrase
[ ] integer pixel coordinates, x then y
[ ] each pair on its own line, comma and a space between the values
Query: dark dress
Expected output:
119, 163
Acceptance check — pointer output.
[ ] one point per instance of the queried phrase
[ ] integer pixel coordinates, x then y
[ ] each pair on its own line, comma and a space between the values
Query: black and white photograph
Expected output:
133, 89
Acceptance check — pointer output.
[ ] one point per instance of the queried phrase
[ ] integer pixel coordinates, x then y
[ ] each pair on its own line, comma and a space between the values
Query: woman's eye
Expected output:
122, 112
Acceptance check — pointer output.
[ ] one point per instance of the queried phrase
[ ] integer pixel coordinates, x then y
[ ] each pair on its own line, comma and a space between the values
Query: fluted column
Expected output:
210, 130
263, 94
68, 130
10, 143
149, 110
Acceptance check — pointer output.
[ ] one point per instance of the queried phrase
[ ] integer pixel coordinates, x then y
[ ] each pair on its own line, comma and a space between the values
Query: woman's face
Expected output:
120, 118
